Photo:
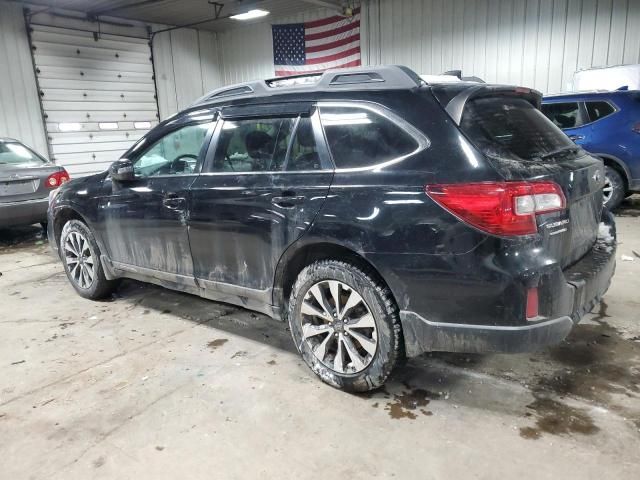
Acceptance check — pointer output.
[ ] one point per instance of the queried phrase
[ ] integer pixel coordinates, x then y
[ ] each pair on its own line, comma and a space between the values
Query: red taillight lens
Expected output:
56, 179
532, 304
499, 208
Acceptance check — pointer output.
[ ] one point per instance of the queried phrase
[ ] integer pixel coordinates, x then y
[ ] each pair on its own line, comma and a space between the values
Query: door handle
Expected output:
173, 201
576, 137
288, 201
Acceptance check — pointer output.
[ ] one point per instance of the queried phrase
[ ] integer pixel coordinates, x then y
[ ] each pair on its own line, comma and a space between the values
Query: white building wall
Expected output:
187, 66
20, 115
537, 43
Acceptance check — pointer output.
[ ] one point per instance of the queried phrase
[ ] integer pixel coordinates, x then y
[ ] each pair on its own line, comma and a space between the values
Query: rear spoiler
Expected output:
455, 106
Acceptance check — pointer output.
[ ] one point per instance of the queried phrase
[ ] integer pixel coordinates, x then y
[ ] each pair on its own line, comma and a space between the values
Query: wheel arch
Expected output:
63, 215
618, 165
295, 260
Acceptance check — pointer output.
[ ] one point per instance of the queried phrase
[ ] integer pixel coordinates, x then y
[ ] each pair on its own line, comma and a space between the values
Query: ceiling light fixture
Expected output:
250, 15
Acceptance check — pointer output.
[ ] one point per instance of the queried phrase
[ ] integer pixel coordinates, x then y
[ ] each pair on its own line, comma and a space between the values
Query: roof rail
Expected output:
384, 77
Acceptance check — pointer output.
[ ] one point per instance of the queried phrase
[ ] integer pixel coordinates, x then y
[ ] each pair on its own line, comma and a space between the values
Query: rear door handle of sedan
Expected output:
288, 201
174, 201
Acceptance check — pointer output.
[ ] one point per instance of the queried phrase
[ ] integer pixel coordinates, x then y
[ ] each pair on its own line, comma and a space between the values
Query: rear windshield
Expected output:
16, 154
512, 128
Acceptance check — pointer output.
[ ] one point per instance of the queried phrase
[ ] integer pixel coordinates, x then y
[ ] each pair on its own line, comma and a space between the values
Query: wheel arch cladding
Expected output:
617, 165
294, 260
62, 216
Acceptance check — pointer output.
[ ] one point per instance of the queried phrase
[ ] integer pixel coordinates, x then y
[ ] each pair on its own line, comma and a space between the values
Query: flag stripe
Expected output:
330, 33
335, 44
336, 56
331, 26
283, 73
333, 51
328, 20
320, 66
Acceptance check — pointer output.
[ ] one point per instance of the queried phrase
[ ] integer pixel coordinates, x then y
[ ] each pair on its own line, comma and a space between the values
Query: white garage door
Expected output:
98, 95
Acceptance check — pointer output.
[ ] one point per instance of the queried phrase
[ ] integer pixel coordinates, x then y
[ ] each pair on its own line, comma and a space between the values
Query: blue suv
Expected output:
607, 124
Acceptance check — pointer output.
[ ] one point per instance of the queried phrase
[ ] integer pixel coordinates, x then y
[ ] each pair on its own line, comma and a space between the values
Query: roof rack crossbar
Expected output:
385, 77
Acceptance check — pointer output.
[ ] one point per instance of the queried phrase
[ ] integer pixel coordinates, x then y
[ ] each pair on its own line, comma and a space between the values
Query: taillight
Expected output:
499, 208
636, 127
56, 179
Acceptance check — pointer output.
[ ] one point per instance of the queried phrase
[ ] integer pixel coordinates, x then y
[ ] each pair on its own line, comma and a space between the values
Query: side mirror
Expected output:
122, 171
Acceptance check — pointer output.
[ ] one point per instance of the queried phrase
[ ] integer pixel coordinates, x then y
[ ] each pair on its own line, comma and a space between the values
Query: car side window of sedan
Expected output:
177, 153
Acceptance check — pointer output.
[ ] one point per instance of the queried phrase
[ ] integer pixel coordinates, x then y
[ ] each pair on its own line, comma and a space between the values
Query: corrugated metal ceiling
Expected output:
181, 12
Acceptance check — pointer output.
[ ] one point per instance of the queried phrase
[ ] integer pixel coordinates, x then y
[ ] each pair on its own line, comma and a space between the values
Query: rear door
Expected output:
571, 117
524, 145
265, 179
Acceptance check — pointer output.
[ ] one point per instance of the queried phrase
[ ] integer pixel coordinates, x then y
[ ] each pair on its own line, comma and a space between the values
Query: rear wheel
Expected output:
345, 325
614, 190
81, 258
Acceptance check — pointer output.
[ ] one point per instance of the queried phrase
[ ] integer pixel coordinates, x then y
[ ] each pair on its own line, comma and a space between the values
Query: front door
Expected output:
263, 184
145, 221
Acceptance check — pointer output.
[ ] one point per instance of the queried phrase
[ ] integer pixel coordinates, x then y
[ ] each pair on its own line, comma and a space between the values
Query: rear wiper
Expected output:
563, 150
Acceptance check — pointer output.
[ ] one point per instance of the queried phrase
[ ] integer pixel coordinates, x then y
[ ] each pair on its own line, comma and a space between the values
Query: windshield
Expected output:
512, 128
16, 154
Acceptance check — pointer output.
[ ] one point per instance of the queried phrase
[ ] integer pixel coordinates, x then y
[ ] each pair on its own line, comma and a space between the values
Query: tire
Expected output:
80, 256
614, 190
348, 360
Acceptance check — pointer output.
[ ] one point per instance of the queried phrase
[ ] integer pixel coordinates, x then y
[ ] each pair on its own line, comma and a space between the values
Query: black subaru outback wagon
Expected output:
380, 216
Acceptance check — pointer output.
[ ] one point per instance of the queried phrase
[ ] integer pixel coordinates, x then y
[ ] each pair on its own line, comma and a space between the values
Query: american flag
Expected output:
311, 47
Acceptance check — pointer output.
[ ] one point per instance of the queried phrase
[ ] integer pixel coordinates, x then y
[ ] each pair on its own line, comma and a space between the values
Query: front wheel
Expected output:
345, 325
81, 258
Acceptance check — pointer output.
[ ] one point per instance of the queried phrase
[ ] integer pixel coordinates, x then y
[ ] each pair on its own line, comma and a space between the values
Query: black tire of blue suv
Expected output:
343, 333
615, 182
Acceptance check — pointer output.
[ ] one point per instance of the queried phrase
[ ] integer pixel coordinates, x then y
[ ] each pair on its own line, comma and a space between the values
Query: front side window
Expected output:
512, 128
358, 137
253, 145
598, 110
564, 115
177, 153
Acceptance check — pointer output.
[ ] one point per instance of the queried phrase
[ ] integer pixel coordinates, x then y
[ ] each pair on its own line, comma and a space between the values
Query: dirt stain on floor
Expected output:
557, 418
409, 403
598, 362
217, 343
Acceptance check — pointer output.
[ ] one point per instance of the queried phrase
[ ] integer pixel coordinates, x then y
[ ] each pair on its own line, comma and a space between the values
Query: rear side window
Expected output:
564, 115
358, 137
598, 110
16, 154
511, 128
303, 153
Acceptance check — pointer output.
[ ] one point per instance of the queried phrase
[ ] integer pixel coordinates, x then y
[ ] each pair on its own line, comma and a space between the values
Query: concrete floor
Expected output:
154, 384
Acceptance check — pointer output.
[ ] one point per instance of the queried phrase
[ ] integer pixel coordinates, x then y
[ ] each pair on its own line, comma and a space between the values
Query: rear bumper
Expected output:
23, 213
578, 289
420, 336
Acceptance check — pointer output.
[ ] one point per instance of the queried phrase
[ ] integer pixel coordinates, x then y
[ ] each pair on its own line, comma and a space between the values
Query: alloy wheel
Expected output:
79, 259
338, 326
607, 190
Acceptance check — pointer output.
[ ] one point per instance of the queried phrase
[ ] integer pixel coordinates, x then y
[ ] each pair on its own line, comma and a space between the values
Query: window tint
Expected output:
361, 138
16, 154
174, 154
253, 145
303, 154
598, 110
511, 128
564, 115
